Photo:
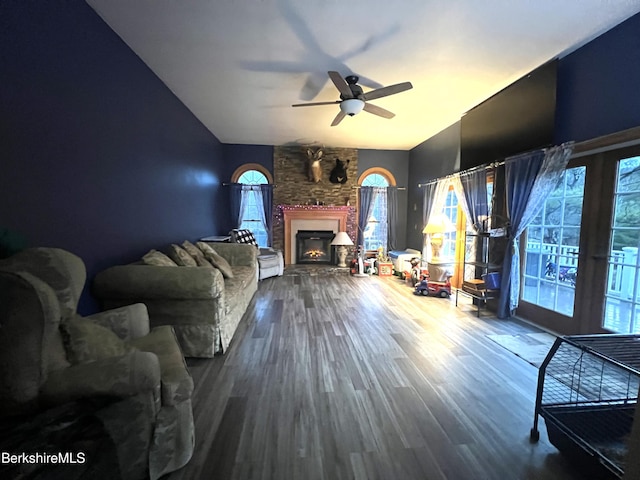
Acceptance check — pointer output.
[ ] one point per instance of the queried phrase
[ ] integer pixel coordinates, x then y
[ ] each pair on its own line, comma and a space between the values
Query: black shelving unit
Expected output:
479, 259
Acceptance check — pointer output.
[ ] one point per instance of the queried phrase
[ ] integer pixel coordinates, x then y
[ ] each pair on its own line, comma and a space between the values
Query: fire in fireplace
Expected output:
314, 246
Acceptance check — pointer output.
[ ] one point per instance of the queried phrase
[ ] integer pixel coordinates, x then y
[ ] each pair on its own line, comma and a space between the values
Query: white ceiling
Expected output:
238, 65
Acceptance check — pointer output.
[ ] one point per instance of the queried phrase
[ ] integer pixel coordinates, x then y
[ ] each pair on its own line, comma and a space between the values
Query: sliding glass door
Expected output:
552, 247
580, 260
622, 296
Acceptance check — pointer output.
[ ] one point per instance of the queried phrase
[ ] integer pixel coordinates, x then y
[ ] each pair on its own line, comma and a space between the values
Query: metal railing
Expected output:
622, 265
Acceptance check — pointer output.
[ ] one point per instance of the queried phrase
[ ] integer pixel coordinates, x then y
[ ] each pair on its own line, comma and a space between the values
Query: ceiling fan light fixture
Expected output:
352, 106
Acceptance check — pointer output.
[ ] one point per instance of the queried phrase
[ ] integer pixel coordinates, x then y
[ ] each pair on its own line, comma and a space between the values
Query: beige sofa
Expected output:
203, 307
133, 379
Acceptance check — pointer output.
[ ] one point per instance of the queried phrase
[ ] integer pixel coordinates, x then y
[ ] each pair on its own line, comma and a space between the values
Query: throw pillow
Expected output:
86, 341
216, 260
181, 256
243, 236
197, 254
159, 259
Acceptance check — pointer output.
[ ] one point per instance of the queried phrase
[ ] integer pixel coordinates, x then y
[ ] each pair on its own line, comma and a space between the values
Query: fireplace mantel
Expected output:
318, 213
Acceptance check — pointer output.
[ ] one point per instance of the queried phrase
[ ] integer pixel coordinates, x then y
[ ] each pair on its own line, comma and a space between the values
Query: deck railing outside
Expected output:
622, 266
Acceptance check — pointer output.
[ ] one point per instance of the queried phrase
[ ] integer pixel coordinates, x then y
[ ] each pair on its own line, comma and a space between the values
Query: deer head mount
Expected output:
314, 170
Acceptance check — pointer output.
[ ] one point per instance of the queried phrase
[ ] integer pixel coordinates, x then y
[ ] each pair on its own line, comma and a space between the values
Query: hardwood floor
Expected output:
335, 377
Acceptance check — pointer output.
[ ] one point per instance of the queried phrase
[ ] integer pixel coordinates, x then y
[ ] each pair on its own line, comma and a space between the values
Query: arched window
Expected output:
253, 177
253, 213
376, 231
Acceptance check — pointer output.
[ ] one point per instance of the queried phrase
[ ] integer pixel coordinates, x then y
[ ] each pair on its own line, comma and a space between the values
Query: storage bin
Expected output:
492, 280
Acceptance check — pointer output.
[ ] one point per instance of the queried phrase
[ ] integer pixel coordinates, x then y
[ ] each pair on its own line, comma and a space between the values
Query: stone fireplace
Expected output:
314, 246
300, 204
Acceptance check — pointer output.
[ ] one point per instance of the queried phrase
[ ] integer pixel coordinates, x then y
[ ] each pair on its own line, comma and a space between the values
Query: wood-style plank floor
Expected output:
336, 377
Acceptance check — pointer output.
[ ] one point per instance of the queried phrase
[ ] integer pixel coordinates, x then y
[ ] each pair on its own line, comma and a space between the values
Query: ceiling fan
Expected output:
353, 100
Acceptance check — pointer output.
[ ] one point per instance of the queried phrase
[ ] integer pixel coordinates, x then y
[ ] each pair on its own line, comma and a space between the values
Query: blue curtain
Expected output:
236, 202
474, 186
366, 205
267, 204
529, 179
392, 218
428, 199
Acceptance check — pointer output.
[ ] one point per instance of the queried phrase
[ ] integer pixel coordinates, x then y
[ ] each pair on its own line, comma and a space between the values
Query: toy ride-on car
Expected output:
429, 287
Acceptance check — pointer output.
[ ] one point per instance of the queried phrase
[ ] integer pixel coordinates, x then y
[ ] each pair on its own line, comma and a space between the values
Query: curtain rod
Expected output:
399, 188
469, 171
250, 185
488, 166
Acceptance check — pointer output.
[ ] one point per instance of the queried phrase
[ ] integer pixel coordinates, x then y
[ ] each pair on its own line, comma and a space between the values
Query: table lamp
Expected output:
438, 225
340, 240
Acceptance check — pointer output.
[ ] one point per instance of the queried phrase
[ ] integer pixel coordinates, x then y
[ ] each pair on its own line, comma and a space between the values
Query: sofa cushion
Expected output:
181, 256
216, 260
86, 341
158, 259
197, 254
177, 384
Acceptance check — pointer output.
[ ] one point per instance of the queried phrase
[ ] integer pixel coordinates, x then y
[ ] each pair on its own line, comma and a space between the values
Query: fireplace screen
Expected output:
314, 246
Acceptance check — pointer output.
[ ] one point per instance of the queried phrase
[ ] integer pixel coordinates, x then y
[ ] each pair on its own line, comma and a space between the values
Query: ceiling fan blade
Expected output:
376, 110
338, 118
385, 91
341, 84
314, 104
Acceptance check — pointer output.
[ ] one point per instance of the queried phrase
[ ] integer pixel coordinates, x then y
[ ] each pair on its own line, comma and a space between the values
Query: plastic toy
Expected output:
429, 287
415, 269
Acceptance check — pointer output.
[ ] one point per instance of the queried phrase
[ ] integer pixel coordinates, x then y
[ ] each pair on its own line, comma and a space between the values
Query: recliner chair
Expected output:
270, 261
110, 355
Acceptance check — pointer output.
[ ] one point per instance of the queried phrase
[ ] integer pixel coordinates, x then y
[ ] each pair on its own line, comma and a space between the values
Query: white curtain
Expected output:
376, 230
458, 189
252, 197
437, 202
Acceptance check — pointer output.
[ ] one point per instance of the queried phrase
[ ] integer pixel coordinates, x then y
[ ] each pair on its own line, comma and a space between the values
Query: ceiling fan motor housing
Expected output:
356, 91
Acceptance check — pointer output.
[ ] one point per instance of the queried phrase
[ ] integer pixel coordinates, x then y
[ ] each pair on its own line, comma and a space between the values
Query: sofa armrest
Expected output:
268, 251
237, 254
138, 282
124, 376
128, 322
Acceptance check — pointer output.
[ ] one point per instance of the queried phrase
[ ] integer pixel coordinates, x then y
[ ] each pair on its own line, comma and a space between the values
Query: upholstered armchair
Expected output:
270, 261
50, 356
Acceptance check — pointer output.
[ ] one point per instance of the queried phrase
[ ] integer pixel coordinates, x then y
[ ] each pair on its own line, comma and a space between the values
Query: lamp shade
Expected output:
341, 238
351, 106
439, 223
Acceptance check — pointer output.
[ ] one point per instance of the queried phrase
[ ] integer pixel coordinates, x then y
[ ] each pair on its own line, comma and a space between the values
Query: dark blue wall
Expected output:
599, 85
97, 155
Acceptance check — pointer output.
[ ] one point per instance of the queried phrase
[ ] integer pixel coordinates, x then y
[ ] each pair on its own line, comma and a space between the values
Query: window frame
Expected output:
235, 178
238, 172
391, 181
